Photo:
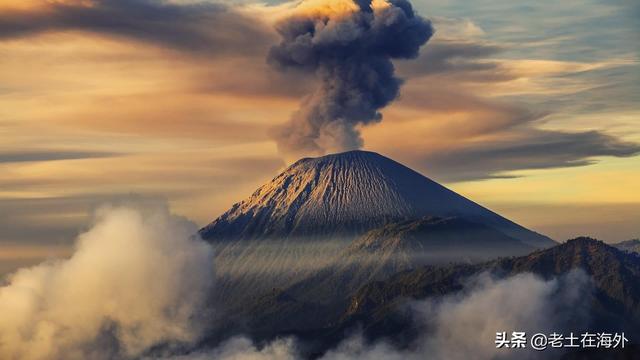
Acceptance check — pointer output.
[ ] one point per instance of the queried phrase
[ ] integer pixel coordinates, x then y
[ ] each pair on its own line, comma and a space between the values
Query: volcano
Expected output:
345, 195
325, 226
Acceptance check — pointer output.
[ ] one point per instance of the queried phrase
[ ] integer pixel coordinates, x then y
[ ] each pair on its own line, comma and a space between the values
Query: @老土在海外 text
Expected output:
543, 341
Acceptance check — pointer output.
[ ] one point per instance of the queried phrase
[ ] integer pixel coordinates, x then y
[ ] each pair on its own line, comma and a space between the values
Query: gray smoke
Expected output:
349, 47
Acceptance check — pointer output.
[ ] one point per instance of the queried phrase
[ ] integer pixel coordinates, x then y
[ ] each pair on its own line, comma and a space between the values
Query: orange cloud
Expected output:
191, 123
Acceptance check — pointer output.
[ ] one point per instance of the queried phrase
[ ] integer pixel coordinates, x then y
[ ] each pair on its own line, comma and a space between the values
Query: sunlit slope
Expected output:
344, 195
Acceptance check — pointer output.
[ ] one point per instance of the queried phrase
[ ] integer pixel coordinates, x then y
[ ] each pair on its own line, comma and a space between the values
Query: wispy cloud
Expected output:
50, 155
527, 150
211, 28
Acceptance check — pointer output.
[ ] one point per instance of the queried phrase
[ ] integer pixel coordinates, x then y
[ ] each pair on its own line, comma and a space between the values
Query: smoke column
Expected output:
348, 46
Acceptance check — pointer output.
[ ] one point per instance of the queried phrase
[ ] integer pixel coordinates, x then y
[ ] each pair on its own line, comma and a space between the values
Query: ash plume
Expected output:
349, 47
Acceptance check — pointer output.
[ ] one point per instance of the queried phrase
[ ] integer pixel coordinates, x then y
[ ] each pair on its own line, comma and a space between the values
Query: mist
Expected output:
465, 324
137, 278
459, 326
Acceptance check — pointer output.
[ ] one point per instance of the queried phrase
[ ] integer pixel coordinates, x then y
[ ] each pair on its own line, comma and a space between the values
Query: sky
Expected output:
528, 109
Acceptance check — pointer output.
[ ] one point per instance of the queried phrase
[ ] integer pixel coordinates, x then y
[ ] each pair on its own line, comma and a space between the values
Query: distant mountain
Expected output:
345, 195
378, 307
629, 245
615, 275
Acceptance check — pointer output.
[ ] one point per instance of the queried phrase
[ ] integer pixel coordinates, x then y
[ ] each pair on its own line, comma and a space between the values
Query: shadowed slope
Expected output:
615, 301
379, 307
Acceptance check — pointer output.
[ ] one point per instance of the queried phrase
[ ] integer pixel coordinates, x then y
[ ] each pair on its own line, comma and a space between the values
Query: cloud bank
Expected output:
465, 324
460, 326
349, 47
534, 149
137, 278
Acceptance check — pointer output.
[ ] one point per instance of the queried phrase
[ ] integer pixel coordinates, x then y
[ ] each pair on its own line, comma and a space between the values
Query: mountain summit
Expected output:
346, 195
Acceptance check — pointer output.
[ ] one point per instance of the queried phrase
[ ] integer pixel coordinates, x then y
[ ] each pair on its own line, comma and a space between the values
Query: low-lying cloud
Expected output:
460, 326
137, 278
466, 323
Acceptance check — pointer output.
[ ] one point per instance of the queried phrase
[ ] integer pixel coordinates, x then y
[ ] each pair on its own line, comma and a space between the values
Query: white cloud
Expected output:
137, 278
466, 324
460, 326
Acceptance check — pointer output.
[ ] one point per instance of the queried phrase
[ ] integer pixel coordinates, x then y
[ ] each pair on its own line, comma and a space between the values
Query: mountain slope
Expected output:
327, 273
403, 246
379, 307
615, 275
345, 195
437, 238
